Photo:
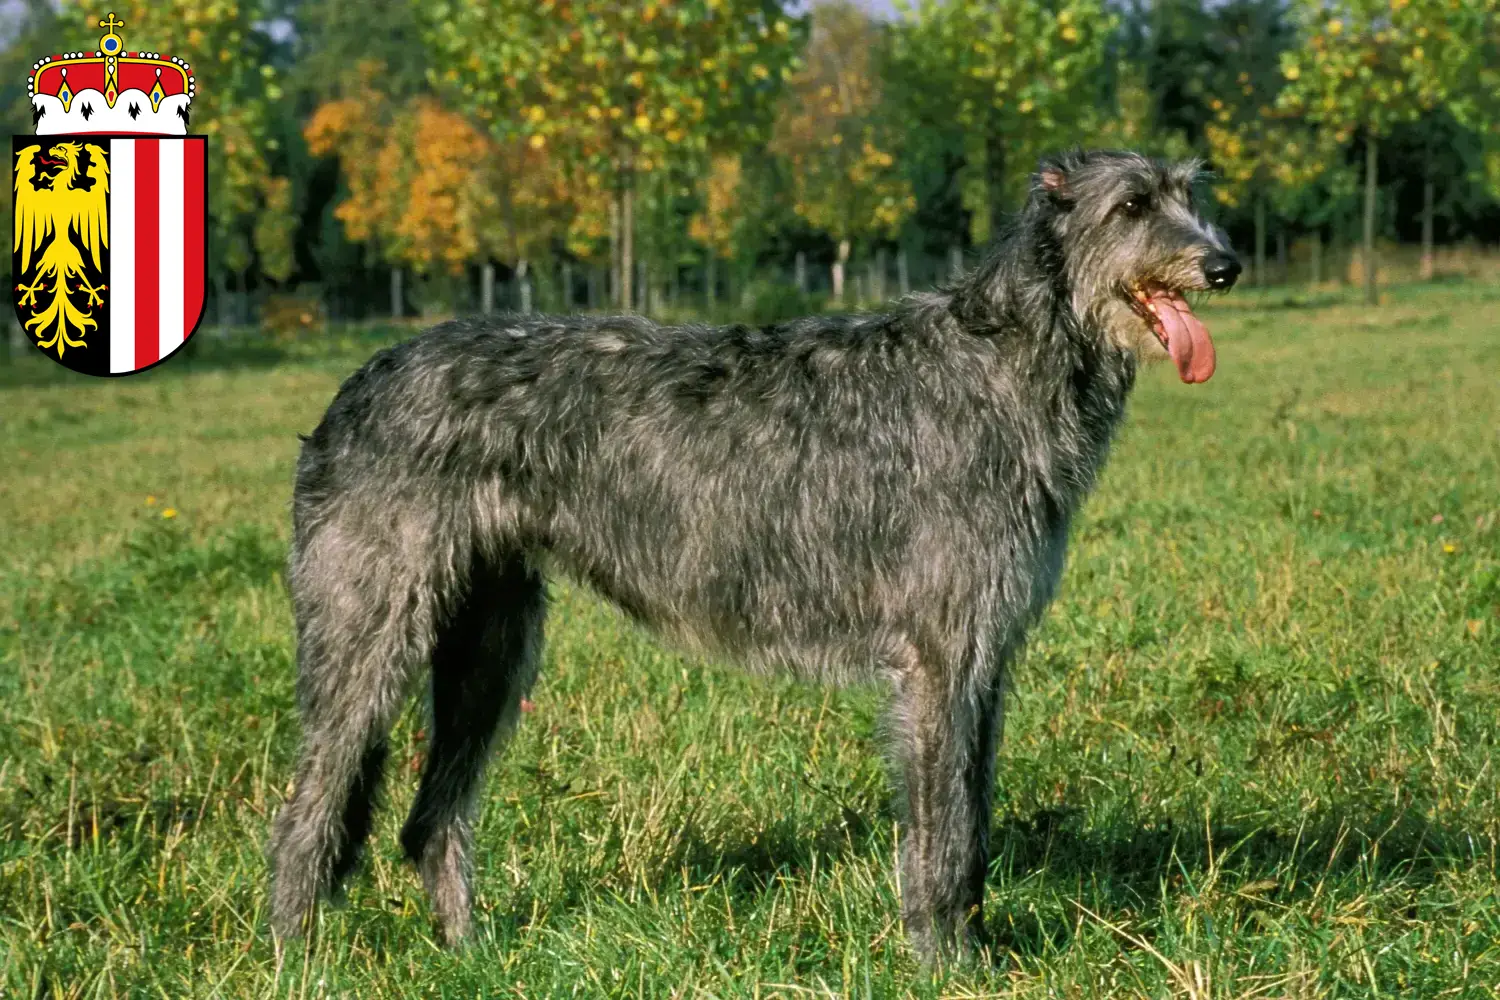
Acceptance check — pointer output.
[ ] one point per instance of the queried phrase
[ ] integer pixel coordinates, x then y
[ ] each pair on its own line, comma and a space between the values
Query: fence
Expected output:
721, 292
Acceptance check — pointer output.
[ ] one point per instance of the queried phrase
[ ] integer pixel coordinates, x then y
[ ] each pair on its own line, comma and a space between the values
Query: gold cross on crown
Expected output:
112, 24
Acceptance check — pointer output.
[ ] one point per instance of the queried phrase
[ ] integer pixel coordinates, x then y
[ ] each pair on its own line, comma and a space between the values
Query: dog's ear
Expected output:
1052, 182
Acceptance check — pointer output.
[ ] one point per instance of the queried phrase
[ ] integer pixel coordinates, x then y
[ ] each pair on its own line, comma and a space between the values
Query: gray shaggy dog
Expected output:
882, 497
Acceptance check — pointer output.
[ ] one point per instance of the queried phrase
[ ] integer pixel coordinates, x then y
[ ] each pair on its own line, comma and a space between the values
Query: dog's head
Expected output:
1133, 243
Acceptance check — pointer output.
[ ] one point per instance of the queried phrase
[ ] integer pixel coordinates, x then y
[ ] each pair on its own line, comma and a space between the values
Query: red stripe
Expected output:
147, 251
193, 250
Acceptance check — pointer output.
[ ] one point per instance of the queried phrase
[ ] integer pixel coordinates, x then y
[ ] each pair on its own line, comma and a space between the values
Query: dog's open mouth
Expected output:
1183, 334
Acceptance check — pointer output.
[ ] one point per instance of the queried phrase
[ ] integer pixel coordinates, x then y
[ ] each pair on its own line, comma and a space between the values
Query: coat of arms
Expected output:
110, 209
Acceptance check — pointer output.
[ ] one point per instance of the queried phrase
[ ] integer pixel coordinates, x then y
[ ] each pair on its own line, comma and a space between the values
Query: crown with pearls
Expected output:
111, 90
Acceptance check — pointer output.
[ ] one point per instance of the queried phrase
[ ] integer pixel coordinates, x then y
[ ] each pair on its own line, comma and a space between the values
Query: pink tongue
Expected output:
1187, 337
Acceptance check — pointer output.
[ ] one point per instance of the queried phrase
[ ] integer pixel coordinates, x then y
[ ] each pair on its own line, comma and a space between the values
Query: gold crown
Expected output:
110, 89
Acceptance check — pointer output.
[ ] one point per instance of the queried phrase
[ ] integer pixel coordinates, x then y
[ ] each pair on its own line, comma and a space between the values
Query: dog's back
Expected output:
791, 495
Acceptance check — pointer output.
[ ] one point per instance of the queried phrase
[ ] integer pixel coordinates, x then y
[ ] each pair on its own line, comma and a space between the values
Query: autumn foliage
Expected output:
430, 188
714, 226
830, 130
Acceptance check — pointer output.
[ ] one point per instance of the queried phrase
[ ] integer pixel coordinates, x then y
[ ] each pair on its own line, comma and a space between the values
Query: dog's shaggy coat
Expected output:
873, 497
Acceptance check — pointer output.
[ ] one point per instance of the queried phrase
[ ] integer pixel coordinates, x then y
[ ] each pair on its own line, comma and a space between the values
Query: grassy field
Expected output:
1251, 752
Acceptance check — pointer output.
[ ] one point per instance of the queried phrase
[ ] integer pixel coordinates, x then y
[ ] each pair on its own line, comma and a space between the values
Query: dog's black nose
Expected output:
1221, 270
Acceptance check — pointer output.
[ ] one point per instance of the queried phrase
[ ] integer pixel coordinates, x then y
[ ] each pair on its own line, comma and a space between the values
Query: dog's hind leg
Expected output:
365, 604
946, 735
484, 662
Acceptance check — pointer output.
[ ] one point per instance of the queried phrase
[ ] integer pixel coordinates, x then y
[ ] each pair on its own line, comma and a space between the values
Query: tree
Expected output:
429, 189
614, 90
275, 231
839, 147
1480, 104
716, 225
224, 41
1135, 121
1473, 102
336, 37
1177, 46
1365, 66
1264, 158
1212, 73
1018, 77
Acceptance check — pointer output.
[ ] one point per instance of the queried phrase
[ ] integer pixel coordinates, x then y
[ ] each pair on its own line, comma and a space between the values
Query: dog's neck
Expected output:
1021, 294
1020, 300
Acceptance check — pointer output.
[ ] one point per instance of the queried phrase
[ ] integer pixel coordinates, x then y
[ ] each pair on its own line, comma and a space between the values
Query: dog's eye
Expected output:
1135, 206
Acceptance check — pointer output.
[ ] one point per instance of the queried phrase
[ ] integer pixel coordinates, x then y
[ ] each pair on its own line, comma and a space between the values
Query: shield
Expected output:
109, 248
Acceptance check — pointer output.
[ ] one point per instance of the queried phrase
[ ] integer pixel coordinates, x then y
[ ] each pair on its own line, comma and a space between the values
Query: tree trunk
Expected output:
903, 277
1281, 255
676, 287
566, 292
838, 272
643, 287
593, 288
880, 272
1372, 290
710, 283
627, 241
487, 288
1427, 197
524, 281
1260, 242
1317, 256
614, 251
799, 270
396, 293
955, 262
221, 282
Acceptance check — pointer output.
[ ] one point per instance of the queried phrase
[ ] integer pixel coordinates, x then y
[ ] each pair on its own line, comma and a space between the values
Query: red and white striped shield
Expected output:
109, 247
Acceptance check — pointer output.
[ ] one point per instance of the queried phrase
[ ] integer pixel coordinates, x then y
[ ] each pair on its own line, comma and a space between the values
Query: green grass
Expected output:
1250, 752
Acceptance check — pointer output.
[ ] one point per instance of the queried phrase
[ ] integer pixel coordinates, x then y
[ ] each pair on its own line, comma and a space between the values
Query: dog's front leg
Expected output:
946, 736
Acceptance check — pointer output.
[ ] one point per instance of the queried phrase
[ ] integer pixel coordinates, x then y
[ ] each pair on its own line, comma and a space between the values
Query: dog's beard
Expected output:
1126, 331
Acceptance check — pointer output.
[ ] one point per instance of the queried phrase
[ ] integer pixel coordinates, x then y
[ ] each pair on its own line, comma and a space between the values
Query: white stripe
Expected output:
122, 255
173, 230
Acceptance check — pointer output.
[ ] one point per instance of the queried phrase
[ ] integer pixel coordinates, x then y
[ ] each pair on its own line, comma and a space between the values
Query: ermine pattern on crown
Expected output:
111, 90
